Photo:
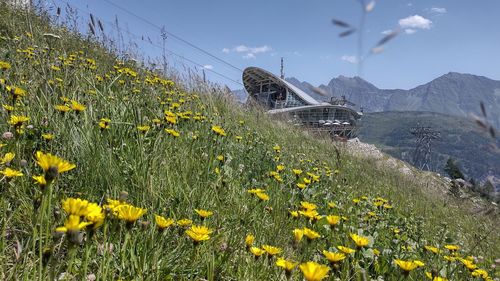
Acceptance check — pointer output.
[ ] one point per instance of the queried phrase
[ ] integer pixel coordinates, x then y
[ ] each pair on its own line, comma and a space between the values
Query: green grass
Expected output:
172, 176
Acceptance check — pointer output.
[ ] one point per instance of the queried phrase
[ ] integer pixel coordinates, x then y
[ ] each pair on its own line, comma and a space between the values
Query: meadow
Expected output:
112, 171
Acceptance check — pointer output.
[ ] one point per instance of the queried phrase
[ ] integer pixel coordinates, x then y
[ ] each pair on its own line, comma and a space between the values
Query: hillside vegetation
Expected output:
460, 139
114, 172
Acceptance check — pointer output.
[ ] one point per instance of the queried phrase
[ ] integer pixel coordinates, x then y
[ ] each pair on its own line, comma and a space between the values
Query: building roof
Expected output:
252, 76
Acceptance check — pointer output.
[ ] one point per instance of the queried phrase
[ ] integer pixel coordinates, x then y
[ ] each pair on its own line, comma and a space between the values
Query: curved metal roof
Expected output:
317, 106
253, 76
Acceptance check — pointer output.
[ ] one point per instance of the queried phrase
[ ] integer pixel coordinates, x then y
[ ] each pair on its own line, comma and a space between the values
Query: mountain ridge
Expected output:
453, 93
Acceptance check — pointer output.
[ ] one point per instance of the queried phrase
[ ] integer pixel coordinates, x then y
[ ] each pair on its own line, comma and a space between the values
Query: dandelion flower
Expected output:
18, 121
249, 240
78, 107
257, 252
11, 173
452, 248
7, 158
52, 165
104, 123
334, 257
73, 224
199, 233
288, 266
262, 196
314, 271
203, 213
311, 234
218, 130
62, 108
271, 250
75, 206
184, 222
346, 250
298, 234
333, 220
361, 241
129, 213
407, 266
162, 222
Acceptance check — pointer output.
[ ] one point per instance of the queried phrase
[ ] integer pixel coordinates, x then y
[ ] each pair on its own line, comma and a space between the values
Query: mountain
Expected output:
453, 94
460, 140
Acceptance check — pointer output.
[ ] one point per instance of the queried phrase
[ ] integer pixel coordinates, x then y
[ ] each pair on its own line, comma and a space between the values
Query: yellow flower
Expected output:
257, 252
480, 273
310, 214
452, 247
4, 65
62, 108
104, 123
255, 190
129, 213
298, 234
11, 173
286, 265
280, 168
346, 250
360, 241
333, 220
172, 132
311, 234
52, 165
262, 196
220, 158
203, 213
48, 137
271, 250
143, 129
301, 185
218, 130
469, 264
75, 206
95, 215
308, 206
408, 266
294, 214
78, 107
297, 172
334, 257
7, 158
184, 222
18, 121
277, 148
331, 205
314, 271
434, 278
40, 180
162, 222
249, 240
8, 108
73, 224
432, 249
199, 233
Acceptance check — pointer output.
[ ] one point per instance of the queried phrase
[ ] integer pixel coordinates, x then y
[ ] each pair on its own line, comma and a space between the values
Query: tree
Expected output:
452, 169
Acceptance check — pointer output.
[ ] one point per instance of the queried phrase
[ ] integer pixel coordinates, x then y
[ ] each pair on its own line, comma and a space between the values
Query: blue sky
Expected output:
436, 37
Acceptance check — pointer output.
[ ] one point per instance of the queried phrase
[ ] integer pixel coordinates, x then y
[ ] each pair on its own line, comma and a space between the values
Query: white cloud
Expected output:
438, 10
208, 66
386, 32
410, 31
349, 59
414, 22
250, 52
249, 56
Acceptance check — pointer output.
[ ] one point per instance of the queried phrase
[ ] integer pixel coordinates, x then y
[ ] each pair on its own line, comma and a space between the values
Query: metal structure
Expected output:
422, 154
282, 98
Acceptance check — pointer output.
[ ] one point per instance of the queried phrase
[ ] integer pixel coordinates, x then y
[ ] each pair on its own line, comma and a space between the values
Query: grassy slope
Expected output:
173, 176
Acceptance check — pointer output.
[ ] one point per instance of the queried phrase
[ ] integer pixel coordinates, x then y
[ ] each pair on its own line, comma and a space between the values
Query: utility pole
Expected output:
422, 154
282, 75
